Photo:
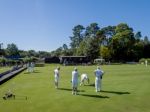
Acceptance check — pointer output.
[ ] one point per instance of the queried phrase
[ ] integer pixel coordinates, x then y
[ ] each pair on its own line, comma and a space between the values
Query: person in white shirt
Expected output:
74, 81
28, 67
32, 67
83, 78
56, 76
98, 77
146, 63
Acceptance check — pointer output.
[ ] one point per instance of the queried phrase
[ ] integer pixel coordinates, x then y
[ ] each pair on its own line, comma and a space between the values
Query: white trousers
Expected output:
74, 83
56, 79
97, 84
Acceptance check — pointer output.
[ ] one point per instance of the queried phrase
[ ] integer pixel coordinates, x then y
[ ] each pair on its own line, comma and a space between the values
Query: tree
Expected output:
65, 47
91, 30
12, 50
90, 44
138, 36
2, 51
106, 34
122, 43
32, 53
65, 50
105, 52
57, 52
146, 47
23, 53
2, 61
77, 36
43, 54
92, 48
146, 51
138, 50
81, 51
146, 40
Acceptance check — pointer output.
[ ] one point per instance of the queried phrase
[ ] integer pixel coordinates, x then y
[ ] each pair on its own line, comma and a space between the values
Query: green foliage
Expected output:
82, 50
23, 53
138, 36
57, 52
119, 42
92, 30
122, 42
92, 48
138, 50
146, 51
31, 53
66, 51
77, 36
2, 60
12, 50
146, 40
105, 52
30, 59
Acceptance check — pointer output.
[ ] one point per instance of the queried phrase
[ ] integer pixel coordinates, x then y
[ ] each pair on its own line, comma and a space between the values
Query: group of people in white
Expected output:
84, 77
30, 67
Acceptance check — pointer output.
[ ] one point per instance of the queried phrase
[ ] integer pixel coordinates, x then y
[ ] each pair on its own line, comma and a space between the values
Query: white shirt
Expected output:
56, 73
74, 76
84, 76
98, 73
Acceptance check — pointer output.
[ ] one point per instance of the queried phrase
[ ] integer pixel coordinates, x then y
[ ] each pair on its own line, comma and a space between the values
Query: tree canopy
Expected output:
113, 43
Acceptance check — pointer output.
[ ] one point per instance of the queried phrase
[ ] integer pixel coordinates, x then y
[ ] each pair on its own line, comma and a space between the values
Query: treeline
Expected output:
12, 55
12, 51
114, 43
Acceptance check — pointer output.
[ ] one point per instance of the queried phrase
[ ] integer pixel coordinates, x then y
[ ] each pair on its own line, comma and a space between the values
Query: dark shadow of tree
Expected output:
115, 92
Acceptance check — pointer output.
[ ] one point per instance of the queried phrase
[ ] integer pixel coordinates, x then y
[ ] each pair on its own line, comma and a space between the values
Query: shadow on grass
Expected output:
93, 85
16, 98
94, 96
66, 89
115, 92
34, 72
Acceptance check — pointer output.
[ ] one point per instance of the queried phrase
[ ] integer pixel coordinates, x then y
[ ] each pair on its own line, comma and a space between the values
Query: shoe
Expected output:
72, 93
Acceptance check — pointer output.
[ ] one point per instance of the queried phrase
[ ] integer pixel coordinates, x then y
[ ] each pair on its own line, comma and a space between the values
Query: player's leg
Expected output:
56, 82
73, 87
88, 80
99, 85
96, 84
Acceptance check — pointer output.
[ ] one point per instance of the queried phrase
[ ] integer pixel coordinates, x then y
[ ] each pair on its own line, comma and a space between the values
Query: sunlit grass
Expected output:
125, 89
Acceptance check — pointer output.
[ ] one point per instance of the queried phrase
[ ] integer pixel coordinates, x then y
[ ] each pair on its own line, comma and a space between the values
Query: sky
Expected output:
45, 25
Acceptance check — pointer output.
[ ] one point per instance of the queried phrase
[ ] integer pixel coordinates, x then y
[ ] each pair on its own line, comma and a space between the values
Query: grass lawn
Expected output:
3, 69
126, 88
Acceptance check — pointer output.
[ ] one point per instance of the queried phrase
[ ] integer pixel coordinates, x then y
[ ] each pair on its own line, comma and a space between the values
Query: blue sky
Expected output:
47, 24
